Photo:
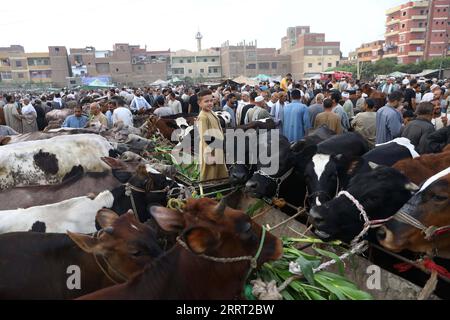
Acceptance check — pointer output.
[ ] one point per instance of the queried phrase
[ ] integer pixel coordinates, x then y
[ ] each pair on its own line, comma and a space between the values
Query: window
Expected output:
216, 70
189, 61
117, 69
419, 48
403, 26
181, 61
442, 34
320, 63
422, 12
439, 10
202, 70
264, 65
178, 71
310, 52
5, 75
402, 37
404, 13
213, 60
330, 65
205, 60
20, 75
18, 63
309, 65
274, 65
420, 24
330, 51
190, 71
401, 49
251, 66
57, 49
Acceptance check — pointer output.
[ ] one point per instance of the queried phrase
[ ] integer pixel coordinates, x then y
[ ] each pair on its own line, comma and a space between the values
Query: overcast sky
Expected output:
173, 24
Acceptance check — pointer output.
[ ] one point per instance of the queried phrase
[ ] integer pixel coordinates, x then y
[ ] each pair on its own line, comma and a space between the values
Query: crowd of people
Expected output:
409, 108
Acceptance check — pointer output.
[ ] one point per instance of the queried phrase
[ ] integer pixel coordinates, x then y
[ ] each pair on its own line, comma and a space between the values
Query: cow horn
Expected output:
220, 208
412, 187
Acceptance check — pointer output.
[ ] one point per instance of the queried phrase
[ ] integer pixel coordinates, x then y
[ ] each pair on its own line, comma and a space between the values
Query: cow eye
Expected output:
439, 198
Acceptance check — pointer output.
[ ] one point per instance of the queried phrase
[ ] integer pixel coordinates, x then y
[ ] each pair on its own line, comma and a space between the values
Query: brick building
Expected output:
418, 30
370, 52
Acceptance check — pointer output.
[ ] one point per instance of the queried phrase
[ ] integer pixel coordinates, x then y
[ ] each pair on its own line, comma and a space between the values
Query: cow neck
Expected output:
181, 274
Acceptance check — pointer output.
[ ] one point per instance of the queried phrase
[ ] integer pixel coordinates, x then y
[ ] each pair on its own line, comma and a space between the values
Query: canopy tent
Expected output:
427, 73
173, 80
398, 74
228, 82
245, 80
160, 83
262, 77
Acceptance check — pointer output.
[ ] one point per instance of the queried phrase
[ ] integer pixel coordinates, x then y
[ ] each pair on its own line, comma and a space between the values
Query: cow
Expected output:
418, 170
136, 144
381, 192
78, 183
49, 161
287, 183
37, 265
58, 115
431, 207
341, 157
167, 125
195, 267
78, 214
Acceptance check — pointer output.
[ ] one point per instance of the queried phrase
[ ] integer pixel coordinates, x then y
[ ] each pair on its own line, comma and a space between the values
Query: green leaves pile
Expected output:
322, 285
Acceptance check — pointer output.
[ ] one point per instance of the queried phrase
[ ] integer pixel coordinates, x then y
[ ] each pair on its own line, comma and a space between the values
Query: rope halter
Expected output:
129, 188
253, 260
430, 233
279, 181
368, 224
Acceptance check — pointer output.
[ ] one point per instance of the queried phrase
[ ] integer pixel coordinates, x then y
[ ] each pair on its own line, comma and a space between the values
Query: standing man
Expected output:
339, 110
174, 104
13, 118
365, 122
328, 118
258, 112
285, 82
230, 108
410, 95
388, 87
193, 103
97, 116
212, 161
277, 110
296, 118
417, 131
122, 114
389, 119
139, 104
316, 108
77, 120
29, 116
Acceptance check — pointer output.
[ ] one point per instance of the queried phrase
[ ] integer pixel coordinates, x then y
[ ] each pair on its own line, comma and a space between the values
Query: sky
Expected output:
173, 24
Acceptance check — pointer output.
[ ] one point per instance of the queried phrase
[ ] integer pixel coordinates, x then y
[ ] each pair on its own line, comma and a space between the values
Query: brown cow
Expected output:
44, 265
430, 206
209, 231
418, 170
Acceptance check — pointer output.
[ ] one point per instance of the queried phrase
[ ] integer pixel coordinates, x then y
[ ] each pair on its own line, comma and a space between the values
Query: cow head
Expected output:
430, 206
241, 173
261, 185
137, 143
124, 242
214, 229
326, 174
382, 192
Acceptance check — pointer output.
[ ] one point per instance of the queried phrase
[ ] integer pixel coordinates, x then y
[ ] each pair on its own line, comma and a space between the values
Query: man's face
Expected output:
232, 101
206, 103
77, 112
94, 109
283, 97
437, 108
245, 98
437, 93
275, 97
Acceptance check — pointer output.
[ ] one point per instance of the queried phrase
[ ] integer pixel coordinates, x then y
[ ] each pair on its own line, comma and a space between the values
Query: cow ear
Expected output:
169, 220
4, 140
200, 239
106, 218
115, 164
86, 243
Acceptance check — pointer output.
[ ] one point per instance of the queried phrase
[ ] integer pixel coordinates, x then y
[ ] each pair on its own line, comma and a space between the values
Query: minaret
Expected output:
199, 38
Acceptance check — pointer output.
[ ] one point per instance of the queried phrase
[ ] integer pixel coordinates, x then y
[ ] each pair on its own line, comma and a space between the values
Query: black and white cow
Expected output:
78, 214
48, 161
381, 192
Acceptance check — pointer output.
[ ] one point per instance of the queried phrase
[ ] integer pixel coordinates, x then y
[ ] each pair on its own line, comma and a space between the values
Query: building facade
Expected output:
370, 52
417, 31
246, 59
19, 67
310, 53
204, 64
125, 64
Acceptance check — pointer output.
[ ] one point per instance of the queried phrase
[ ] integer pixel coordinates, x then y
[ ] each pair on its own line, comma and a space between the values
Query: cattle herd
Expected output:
84, 212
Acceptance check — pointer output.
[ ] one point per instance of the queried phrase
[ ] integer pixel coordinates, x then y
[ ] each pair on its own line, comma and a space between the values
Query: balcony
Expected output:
422, 17
418, 29
417, 42
390, 55
415, 53
390, 34
392, 22
420, 4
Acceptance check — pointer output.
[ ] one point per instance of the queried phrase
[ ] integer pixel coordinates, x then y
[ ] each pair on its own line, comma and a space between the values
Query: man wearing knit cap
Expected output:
258, 112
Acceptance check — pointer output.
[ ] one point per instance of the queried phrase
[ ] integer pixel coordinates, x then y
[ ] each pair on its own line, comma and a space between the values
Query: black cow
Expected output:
382, 192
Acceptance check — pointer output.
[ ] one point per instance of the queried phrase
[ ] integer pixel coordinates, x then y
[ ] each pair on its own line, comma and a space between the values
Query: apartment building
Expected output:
417, 30
19, 67
204, 64
370, 52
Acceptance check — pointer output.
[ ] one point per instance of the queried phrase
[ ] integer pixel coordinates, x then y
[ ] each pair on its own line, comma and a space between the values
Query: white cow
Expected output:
48, 161
77, 215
